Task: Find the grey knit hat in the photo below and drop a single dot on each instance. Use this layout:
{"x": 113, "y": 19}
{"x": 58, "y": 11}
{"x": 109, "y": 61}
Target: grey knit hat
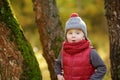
{"x": 76, "y": 22}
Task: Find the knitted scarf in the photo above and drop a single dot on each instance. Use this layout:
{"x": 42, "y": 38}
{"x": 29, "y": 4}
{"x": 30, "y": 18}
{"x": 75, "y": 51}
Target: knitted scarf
{"x": 77, "y": 47}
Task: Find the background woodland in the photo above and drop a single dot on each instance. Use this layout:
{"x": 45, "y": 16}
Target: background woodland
{"x": 41, "y": 23}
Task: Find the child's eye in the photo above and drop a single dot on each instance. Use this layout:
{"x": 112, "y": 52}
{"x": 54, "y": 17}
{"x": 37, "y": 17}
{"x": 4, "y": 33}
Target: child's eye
{"x": 77, "y": 32}
{"x": 70, "y": 33}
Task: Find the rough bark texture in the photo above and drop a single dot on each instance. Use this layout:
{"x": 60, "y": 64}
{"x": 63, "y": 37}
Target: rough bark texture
{"x": 112, "y": 8}
{"x": 17, "y": 60}
{"x": 10, "y": 57}
{"x": 51, "y": 33}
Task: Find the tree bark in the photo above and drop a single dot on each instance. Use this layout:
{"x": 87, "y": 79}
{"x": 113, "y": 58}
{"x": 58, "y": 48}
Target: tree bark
{"x": 50, "y": 30}
{"x": 112, "y": 8}
{"x": 17, "y": 59}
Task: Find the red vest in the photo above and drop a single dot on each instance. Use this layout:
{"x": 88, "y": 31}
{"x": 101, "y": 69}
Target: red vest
{"x": 77, "y": 66}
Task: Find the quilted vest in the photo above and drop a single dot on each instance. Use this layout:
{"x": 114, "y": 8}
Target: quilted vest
{"x": 77, "y": 66}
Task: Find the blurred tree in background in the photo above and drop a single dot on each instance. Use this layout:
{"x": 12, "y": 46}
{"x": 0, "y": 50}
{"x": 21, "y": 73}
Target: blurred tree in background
{"x": 91, "y": 11}
{"x": 113, "y": 19}
{"x": 17, "y": 59}
{"x": 50, "y": 30}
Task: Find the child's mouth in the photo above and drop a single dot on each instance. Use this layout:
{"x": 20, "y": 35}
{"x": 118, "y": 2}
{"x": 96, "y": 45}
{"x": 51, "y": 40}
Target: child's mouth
{"x": 73, "y": 40}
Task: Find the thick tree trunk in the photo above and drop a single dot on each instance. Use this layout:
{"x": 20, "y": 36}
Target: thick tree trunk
{"x": 113, "y": 18}
{"x": 17, "y": 60}
{"x": 11, "y": 60}
{"x": 51, "y": 33}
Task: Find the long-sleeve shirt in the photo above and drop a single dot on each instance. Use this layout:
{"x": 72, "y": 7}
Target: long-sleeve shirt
{"x": 95, "y": 60}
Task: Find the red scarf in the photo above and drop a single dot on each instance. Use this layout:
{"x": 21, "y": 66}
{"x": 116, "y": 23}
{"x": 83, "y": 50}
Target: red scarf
{"x": 77, "y": 47}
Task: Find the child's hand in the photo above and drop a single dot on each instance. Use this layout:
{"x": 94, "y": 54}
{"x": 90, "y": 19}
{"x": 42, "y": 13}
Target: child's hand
{"x": 60, "y": 77}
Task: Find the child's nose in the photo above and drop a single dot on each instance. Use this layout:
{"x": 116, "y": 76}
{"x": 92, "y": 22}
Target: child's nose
{"x": 73, "y": 35}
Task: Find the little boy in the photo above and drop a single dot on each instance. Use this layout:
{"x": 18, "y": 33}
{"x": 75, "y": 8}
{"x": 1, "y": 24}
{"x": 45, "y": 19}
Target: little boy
{"x": 77, "y": 59}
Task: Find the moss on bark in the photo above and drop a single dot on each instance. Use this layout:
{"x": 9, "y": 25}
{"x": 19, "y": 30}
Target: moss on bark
{"x": 30, "y": 67}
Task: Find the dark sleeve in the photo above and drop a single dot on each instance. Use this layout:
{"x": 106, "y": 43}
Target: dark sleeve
{"x": 98, "y": 64}
{"x": 58, "y": 68}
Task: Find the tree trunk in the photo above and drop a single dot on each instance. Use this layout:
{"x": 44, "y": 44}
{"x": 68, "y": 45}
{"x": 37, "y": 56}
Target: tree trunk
{"x": 17, "y": 60}
{"x": 50, "y": 30}
{"x": 113, "y": 18}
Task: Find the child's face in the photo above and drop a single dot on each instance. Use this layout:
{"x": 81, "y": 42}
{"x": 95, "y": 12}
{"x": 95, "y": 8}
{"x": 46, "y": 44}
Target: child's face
{"x": 74, "y": 35}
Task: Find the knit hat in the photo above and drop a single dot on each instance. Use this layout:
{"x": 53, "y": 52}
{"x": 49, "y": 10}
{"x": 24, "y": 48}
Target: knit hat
{"x": 75, "y": 22}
